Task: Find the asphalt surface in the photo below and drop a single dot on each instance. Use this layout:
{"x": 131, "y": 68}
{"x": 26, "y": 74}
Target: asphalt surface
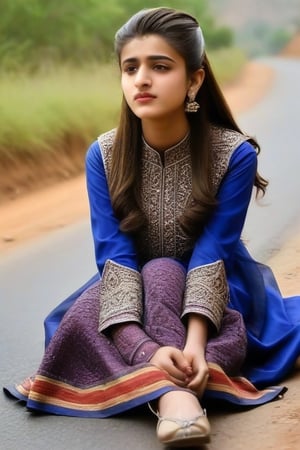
{"x": 36, "y": 276}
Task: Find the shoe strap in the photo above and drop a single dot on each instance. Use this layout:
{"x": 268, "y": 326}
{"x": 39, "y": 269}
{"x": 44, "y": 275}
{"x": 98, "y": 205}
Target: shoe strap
{"x": 182, "y": 422}
{"x": 156, "y": 413}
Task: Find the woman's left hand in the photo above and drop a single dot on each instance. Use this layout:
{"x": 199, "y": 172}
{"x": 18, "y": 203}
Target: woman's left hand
{"x": 199, "y": 378}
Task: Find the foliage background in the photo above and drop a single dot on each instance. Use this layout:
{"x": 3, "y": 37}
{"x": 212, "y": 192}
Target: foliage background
{"x": 36, "y": 33}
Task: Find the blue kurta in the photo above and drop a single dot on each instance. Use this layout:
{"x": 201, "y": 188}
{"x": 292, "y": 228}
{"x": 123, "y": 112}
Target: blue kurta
{"x": 273, "y": 323}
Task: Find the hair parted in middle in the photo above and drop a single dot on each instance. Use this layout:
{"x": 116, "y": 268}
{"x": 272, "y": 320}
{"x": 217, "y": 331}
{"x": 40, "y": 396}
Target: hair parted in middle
{"x": 182, "y": 32}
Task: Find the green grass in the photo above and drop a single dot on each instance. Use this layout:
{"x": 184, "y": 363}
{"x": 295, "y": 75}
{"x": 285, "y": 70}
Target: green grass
{"x": 37, "y": 112}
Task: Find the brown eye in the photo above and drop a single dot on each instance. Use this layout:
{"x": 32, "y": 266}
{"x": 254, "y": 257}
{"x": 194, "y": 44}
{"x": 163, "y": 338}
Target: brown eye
{"x": 130, "y": 69}
{"x": 161, "y": 67}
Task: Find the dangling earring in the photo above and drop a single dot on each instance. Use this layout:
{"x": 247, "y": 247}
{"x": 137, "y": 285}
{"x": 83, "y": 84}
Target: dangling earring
{"x": 190, "y": 105}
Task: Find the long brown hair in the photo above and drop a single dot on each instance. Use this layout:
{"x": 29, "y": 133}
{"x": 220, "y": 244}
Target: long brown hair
{"x": 183, "y": 33}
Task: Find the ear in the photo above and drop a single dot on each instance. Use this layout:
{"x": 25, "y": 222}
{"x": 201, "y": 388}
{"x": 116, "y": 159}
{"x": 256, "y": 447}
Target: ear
{"x": 195, "y": 82}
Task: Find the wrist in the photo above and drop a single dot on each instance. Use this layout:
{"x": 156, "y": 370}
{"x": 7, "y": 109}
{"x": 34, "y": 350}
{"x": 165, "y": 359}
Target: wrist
{"x": 197, "y": 331}
{"x": 192, "y": 348}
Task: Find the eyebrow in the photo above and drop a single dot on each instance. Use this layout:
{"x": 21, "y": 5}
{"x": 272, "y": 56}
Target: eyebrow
{"x": 150, "y": 58}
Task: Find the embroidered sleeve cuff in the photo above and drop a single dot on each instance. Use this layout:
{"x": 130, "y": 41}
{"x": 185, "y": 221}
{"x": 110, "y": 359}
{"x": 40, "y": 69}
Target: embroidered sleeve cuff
{"x": 120, "y": 295}
{"x": 207, "y": 292}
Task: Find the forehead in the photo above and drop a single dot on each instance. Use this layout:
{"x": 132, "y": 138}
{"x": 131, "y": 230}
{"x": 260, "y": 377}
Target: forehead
{"x": 142, "y": 47}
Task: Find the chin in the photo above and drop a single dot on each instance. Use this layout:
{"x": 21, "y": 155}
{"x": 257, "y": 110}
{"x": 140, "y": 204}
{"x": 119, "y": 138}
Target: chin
{"x": 148, "y": 115}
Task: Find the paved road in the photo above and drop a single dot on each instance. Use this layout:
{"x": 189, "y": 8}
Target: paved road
{"x": 275, "y": 122}
{"x": 35, "y": 277}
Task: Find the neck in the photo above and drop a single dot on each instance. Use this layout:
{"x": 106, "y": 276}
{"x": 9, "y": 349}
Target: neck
{"x": 161, "y": 135}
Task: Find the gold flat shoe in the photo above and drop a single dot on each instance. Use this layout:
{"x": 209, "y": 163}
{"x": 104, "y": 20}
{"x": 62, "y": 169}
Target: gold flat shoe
{"x": 183, "y": 433}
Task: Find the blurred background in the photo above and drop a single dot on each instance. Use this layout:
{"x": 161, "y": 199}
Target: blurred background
{"x": 59, "y": 89}
{"x": 59, "y": 84}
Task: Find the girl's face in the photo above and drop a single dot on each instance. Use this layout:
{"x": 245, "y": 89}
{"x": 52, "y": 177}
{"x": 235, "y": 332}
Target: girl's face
{"x": 153, "y": 78}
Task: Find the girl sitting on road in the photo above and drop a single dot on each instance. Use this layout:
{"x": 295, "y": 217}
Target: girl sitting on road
{"x": 178, "y": 308}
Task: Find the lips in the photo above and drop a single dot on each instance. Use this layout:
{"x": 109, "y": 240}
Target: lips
{"x": 143, "y": 95}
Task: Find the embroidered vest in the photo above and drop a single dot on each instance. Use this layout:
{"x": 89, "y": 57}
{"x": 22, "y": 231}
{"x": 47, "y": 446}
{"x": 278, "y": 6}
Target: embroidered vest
{"x": 166, "y": 189}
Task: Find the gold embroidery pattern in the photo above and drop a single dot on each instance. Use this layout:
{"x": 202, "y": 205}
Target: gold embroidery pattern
{"x": 207, "y": 292}
{"x": 120, "y": 295}
{"x": 223, "y": 142}
{"x": 164, "y": 197}
{"x": 105, "y": 142}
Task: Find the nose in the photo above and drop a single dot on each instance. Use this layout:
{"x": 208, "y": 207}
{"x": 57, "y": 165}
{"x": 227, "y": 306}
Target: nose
{"x": 142, "y": 77}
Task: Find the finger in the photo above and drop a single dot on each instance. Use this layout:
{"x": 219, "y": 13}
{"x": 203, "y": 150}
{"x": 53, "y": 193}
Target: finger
{"x": 199, "y": 383}
{"x": 200, "y": 377}
{"x": 181, "y": 362}
{"x": 176, "y": 373}
{"x": 177, "y": 382}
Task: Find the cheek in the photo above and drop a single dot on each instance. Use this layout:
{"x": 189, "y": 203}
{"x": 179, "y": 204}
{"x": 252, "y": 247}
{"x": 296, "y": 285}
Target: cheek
{"x": 178, "y": 91}
{"x": 178, "y": 84}
{"x": 125, "y": 89}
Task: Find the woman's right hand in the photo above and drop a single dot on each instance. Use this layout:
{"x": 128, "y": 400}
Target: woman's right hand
{"x": 173, "y": 361}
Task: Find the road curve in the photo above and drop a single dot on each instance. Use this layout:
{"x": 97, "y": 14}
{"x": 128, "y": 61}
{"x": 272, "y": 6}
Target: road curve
{"x": 275, "y": 122}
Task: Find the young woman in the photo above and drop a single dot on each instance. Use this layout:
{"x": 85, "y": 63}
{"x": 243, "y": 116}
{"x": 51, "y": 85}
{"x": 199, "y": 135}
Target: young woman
{"x": 179, "y": 306}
